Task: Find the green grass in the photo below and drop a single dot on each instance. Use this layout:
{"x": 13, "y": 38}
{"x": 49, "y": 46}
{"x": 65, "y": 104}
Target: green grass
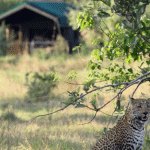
{"x": 61, "y": 131}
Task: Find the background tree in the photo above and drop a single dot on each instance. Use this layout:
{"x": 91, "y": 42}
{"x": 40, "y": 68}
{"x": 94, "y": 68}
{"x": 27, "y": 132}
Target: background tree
{"x": 5, "y": 5}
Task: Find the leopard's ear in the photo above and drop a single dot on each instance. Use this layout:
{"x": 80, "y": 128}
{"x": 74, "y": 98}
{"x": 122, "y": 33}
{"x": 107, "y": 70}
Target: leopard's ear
{"x": 132, "y": 100}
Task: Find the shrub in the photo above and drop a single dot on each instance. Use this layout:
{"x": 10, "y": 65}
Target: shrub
{"x": 41, "y": 54}
{"x": 39, "y": 86}
{"x": 61, "y": 45}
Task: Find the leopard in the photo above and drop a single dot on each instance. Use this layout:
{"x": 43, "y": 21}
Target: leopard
{"x": 129, "y": 131}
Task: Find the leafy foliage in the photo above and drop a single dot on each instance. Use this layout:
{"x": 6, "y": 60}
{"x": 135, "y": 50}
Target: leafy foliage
{"x": 72, "y": 74}
{"x": 128, "y": 42}
{"x": 41, "y": 54}
{"x": 5, "y": 5}
{"x": 87, "y": 21}
{"x": 75, "y": 98}
{"x": 39, "y": 86}
{"x": 132, "y": 10}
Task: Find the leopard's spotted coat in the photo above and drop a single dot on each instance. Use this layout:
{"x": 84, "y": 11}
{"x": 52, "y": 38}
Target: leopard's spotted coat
{"x": 128, "y": 134}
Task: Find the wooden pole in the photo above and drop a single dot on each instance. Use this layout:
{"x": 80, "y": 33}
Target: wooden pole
{"x": 7, "y": 33}
{"x": 54, "y": 31}
{"x": 20, "y": 36}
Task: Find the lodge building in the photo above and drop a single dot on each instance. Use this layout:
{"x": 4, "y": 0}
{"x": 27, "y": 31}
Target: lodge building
{"x": 37, "y": 24}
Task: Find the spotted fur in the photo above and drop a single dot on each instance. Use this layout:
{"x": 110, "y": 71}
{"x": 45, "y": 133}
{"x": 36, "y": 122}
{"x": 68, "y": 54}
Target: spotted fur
{"x": 128, "y": 134}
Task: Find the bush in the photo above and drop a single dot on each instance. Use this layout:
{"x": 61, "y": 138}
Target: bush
{"x": 39, "y": 86}
{"x": 9, "y": 116}
{"x": 61, "y": 45}
{"x": 41, "y": 54}
{"x": 8, "y": 113}
{"x": 7, "y": 4}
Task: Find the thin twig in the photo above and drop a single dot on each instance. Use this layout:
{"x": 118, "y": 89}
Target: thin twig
{"x": 144, "y": 38}
{"x": 143, "y": 80}
{"x": 51, "y": 113}
{"x": 104, "y": 32}
{"x": 108, "y": 102}
{"x": 106, "y": 26}
{"x": 73, "y": 83}
{"x": 145, "y": 28}
{"x": 142, "y": 76}
{"x": 132, "y": 83}
{"x": 95, "y": 110}
{"x": 111, "y": 118}
{"x": 91, "y": 119}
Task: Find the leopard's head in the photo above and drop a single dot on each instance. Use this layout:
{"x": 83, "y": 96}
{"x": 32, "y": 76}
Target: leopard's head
{"x": 140, "y": 109}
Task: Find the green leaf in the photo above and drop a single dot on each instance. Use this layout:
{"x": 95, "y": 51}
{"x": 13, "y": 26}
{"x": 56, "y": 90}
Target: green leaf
{"x": 94, "y": 102}
{"x": 72, "y": 74}
{"x": 86, "y": 87}
{"x": 82, "y": 98}
{"x": 99, "y": 67}
{"x": 78, "y": 90}
{"x": 106, "y": 2}
{"x": 101, "y": 57}
{"x": 118, "y": 104}
{"x": 130, "y": 70}
{"x": 103, "y": 14}
{"x": 76, "y": 48}
{"x": 114, "y": 104}
{"x": 141, "y": 9}
{"x": 117, "y": 25}
{"x": 108, "y": 90}
{"x": 134, "y": 41}
{"x": 143, "y": 63}
{"x": 105, "y": 129}
{"x": 95, "y": 52}
{"x": 80, "y": 106}
{"x": 128, "y": 59}
{"x": 148, "y": 62}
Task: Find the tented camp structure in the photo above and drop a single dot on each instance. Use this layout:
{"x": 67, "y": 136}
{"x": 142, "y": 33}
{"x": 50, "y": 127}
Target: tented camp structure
{"x": 37, "y": 24}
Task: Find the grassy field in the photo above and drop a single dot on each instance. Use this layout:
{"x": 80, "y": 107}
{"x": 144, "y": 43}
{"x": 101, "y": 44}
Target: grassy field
{"x": 60, "y": 131}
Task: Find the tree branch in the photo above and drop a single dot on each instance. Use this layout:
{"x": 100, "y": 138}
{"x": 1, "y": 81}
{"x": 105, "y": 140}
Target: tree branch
{"x": 127, "y": 85}
{"x": 143, "y": 80}
{"x": 130, "y": 84}
{"x": 144, "y": 38}
{"x": 145, "y": 28}
{"x": 95, "y": 110}
{"x": 50, "y": 113}
{"x": 91, "y": 119}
